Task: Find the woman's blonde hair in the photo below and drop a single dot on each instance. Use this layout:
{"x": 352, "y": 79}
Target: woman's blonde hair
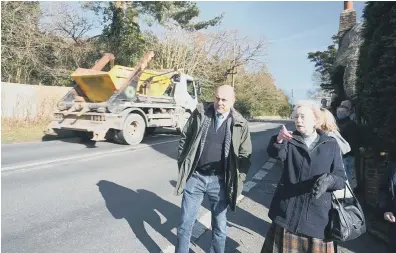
{"x": 327, "y": 121}
{"x": 314, "y": 107}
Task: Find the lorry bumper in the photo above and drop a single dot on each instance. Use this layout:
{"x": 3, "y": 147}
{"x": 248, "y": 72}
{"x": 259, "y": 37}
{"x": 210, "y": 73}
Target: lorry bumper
{"x": 99, "y": 124}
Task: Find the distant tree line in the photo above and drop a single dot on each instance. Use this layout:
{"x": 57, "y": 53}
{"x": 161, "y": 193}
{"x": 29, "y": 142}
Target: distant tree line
{"x": 45, "y": 45}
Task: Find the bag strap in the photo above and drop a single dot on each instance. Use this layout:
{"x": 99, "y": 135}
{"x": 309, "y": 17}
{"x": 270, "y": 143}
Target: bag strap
{"x": 345, "y": 189}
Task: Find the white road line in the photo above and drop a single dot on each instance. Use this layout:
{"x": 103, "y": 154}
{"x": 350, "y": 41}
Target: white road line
{"x": 248, "y": 186}
{"x": 259, "y": 175}
{"x": 107, "y": 152}
{"x": 268, "y": 166}
{"x": 76, "y": 157}
{"x": 169, "y": 249}
{"x": 271, "y": 160}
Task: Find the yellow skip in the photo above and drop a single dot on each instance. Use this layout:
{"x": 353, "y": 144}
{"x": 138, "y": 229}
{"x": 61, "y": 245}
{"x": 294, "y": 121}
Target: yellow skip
{"x": 99, "y": 86}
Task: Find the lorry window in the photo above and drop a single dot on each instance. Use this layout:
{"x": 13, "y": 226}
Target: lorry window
{"x": 191, "y": 88}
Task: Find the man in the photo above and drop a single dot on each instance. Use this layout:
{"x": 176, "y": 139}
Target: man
{"x": 214, "y": 158}
{"x": 324, "y": 103}
{"x": 350, "y": 131}
{"x": 348, "y": 104}
{"x": 335, "y": 103}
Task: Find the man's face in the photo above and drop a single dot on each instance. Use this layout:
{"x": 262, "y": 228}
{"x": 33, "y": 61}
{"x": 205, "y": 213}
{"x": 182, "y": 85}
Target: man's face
{"x": 224, "y": 99}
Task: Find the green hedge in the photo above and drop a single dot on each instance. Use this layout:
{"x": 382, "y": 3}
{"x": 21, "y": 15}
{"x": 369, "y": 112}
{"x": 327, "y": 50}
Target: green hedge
{"x": 376, "y": 83}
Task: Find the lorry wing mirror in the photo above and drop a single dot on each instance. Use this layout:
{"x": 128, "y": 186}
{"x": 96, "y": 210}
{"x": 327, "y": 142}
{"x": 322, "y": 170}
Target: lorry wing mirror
{"x": 199, "y": 89}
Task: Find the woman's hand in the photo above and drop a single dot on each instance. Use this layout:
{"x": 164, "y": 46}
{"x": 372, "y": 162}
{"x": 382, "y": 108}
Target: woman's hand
{"x": 284, "y": 135}
{"x": 388, "y": 216}
{"x": 321, "y": 185}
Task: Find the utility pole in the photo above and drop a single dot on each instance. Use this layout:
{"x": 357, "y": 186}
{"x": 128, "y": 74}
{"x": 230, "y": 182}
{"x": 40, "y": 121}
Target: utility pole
{"x": 233, "y": 66}
{"x": 292, "y": 96}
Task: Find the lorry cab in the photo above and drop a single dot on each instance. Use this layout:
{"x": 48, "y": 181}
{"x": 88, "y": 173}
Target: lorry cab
{"x": 186, "y": 92}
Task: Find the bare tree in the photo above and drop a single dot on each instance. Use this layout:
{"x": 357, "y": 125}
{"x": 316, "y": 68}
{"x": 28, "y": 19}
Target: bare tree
{"x": 64, "y": 21}
{"x": 213, "y": 57}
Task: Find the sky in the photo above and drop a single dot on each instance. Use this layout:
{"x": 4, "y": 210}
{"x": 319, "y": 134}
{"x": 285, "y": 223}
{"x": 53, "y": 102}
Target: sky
{"x": 292, "y": 29}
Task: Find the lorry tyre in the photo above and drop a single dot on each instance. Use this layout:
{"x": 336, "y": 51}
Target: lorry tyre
{"x": 133, "y": 130}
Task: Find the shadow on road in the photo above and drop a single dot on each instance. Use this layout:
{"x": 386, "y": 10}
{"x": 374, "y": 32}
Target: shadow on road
{"x": 139, "y": 207}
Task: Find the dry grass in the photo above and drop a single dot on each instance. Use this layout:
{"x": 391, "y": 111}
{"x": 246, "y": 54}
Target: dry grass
{"x": 14, "y": 131}
{"x": 28, "y": 118}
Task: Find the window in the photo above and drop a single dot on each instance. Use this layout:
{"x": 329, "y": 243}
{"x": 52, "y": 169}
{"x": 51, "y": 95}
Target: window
{"x": 191, "y": 88}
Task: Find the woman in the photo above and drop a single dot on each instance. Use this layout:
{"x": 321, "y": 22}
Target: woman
{"x": 387, "y": 203}
{"x": 328, "y": 125}
{"x": 312, "y": 169}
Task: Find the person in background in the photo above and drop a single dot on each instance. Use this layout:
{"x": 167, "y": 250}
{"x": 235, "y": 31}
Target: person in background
{"x": 312, "y": 170}
{"x": 213, "y": 159}
{"x": 348, "y": 104}
{"x": 324, "y": 103}
{"x": 387, "y": 203}
{"x": 335, "y": 103}
{"x": 350, "y": 131}
{"x": 328, "y": 124}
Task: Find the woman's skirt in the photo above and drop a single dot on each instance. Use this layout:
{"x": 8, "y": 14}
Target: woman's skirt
{"x": 279, "y": 240}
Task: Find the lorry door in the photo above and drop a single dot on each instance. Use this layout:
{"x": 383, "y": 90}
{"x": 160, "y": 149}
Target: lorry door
{"x": 186, "y": 93}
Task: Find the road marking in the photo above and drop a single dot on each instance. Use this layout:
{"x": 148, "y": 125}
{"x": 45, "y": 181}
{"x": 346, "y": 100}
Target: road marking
{"x": 248, "y": 186}
{"x": 204, "y": 222}
{"x": 259, "y": 175}
{"x": 26, "y": 166}
{"x": 268, "y": 166}
{"x": 76, "y": 157}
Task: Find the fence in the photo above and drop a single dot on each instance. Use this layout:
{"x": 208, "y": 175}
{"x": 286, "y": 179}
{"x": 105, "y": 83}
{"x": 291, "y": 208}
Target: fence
{"x": 24, "y": 101}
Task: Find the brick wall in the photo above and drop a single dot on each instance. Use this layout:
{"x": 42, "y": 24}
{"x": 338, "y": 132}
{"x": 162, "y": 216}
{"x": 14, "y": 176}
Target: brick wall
{"x": 373, "y": 170}
{"x": 347, "y": 20}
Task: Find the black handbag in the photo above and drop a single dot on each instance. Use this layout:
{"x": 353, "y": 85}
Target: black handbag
{"x": 346, "y": 221}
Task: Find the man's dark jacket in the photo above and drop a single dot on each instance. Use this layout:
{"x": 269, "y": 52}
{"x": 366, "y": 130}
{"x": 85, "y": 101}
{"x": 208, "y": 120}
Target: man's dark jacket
{"x": 350, "y": 131}
{"x": 239, "y": 155}
{"x": 293, "y": 206}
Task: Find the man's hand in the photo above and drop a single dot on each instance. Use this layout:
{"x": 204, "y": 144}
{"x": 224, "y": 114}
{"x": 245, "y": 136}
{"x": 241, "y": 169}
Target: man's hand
{"x": 388, "y": 216}
{"x": 284, "y": 135}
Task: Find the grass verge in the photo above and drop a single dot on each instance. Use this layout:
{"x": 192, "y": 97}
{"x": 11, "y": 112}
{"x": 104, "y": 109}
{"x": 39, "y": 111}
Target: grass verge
{"x": 15, "y": 131}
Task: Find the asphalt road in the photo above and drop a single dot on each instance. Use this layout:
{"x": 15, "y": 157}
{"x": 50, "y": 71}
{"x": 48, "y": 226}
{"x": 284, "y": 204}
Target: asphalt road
{"x": 66, "y": 196}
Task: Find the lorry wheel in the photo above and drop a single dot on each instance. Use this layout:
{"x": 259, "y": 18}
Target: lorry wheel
{"x": 133, "y": 129}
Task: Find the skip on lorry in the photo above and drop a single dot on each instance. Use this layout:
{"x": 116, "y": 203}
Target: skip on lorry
{"x": 125, "y": 103}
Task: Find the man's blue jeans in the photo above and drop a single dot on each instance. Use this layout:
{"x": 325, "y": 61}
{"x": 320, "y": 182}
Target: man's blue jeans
{"x": 196, "y": 188}
{"x": 349, "y": 165}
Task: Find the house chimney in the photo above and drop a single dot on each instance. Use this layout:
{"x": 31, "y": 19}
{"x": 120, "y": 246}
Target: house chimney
{"x": 348, "y": 5}
{"x": 347, "y": 19}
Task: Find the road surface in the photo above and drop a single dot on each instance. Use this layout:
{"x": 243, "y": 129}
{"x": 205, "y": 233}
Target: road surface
{"x": 66, "y": 196}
